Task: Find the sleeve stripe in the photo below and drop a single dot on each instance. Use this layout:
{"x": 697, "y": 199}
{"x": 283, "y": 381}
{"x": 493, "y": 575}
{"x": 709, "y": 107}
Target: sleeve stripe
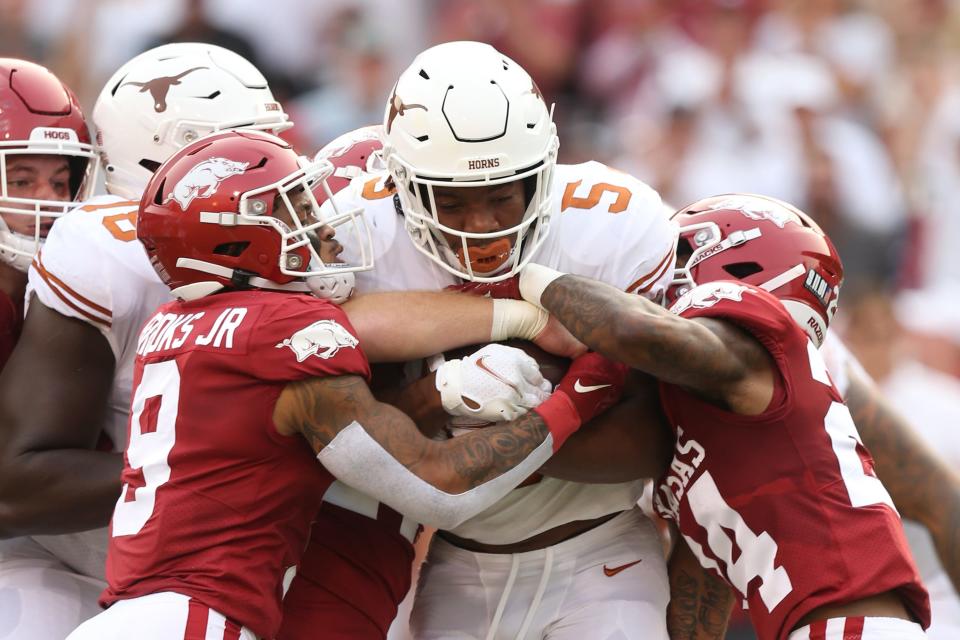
{"x": 645, "y": 282}
{"x": 47, "y": 275}
{"x": 112, "y": 205}
{"x": 655, "y": 280}
{"x": 55, "y": 285}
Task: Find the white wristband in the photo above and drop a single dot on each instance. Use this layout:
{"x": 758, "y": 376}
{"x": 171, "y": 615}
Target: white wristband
{"x": 534, "y": 279}
{"x": 516, "y": 319}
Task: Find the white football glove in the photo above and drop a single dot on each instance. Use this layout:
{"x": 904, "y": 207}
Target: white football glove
{"x": 495, "y": 384}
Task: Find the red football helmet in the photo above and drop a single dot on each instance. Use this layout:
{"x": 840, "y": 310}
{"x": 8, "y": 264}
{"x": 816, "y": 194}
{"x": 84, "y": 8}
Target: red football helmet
{"x": 39, "y": 116}
{"x": 764, "y": 242}
{"x": 351, "y": 154}
{"x": 236, "y": 209}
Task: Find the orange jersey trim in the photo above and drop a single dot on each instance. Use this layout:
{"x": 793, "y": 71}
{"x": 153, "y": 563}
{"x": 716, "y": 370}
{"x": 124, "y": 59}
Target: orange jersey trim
{"x": 112, "y": 205}
{"x": 646, "y": 282}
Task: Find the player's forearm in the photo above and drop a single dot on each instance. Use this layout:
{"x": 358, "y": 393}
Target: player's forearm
{"x": 637, "y": 332}
{"x": 400, "y": 326}
{"x": 377, "y": 450}
{"x": 34, "y": 501}
{"x": 922, "y": 485}
{"x": 435, "y": 484}
{"x": 944, "y": 528}
{"x": 700, "y": 604}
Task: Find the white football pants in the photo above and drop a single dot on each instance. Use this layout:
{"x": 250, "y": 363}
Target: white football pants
{"x": 160, "y": 616}
{"x": 40, "y": 597}
{"x": 607, "y": 583}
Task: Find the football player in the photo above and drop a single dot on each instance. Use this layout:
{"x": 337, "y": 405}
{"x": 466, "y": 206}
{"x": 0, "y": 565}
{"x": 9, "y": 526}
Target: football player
{"x": 769, "y": 469}
{"x": 93, "y": 289}
{"x": 218, "y": 495}
{"x": 471, "y": 191}
{"x": 89, "y": 293}
{"x": 48, "y": 164}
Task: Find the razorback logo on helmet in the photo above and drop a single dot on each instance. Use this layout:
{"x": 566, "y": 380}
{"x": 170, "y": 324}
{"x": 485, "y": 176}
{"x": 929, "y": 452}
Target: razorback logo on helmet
{"x": 753, "y": 208}
{"x": 159, "y": 87}
{"x": 202, "y": 180}
{"x": 706, "y": 295}
{"x": 322, "y": 339}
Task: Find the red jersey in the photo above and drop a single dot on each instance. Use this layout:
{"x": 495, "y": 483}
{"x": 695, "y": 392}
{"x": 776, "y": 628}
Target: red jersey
{"x": 784, "y": 506}
{"x": 11, "y": 321}
{"x": 353, "y": 575}
{"x": 216, "y": 504}
{"x": 355, "y": 570}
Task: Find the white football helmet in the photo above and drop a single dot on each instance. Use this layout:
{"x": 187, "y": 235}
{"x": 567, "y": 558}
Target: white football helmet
{"x": 465, "y": 115}
{"x": 168, "y": 97}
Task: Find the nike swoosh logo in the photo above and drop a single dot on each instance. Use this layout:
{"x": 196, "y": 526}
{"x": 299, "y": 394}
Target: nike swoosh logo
{"x": 579, "y": 388}
{"x": 615, "y": 570}
{"x": 483, "y": 367}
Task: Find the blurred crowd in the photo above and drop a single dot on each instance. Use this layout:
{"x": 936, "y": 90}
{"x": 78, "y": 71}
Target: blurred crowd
{"x": 849, "y": 109}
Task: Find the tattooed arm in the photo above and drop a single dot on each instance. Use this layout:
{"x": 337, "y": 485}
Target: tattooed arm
{"x": 712, "y": 357}
{"x": 922, "y": 486}
{"x": 378, "y": 450}
{"x": 700, "y": 603}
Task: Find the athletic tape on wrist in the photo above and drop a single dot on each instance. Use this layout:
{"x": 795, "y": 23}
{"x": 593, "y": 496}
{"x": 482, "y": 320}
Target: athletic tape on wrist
{"x": 516, "y": 319}
{"x": 534, "y": 279}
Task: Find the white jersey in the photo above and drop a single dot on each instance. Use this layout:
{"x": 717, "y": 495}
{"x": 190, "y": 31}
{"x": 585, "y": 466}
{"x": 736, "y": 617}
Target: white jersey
{"x": 596, "y": 231}
{"x": 93, "y": 268}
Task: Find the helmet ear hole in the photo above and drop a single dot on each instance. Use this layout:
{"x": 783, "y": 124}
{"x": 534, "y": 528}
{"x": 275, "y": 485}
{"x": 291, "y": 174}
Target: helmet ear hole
{"x": 232, "y": 249}
{"x": 741, "y": 270}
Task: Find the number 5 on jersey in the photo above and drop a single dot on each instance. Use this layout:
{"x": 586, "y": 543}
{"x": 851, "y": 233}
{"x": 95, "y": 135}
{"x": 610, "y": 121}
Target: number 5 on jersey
{"x": 153, "y": 417}
{"x": 592, "y": 198}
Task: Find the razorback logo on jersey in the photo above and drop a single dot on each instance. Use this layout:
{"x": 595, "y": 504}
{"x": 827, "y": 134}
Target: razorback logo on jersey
{"x": 706, "y": 295}
{"x": 754, "y": 209}
{"x": 322, "y": 339}
{"x": 202, "y": 180}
